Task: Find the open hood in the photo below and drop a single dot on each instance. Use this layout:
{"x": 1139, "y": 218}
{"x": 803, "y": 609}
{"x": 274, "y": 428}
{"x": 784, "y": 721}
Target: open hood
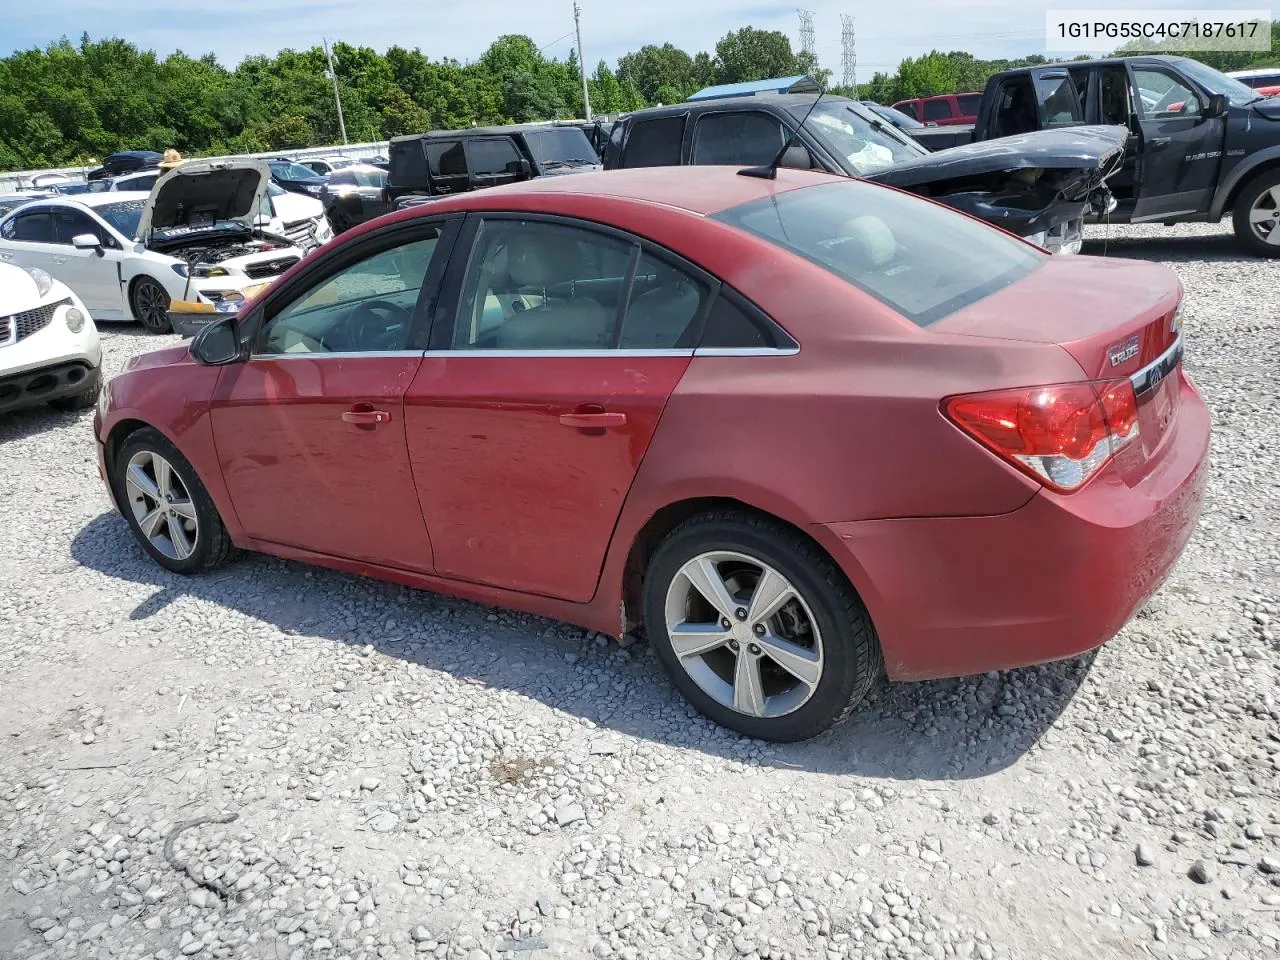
{"x": 201, "y": 193}
{"x": 1068, "y": 148}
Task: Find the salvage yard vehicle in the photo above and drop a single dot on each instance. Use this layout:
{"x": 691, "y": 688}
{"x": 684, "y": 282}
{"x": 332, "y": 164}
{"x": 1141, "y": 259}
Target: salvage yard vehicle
{"x": 1041, "y": 188}
{"x": 193, "y": 237}
{"x": 1201, "y": 145}
{"x": 804, "y": 430}
{"x": 454, "y": 161}
{"x": 355, "y": 194}
{"x": 128, "y": 161}
{"x": 942, "y": 110}
{"x": 49, "y": 350}
{"x": 295, "y": 177}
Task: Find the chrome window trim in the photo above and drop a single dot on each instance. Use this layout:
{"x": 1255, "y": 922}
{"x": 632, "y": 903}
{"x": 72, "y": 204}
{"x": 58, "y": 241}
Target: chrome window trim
{"x": 562, "y": 354}
{"x": 1149, "y": 377}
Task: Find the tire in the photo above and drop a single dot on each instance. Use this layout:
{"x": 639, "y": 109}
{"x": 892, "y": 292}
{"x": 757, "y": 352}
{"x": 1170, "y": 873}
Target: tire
{"x": 149, "y": 302}
{"x": 841, "y": 657}
{"x": 1263, "y": 193}
{"x": 210, "y": 544}
{"x": 86, "y": 399}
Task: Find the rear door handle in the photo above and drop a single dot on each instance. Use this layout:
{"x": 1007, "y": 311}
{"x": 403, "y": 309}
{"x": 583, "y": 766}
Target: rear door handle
{"x": 589, "y": 421}
{"x": 363, "y": 413}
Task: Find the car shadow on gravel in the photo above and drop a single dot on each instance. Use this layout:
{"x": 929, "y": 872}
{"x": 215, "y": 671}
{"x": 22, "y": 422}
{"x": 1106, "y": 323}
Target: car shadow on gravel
{"x": 1210, "y": 248}
{"x": 30, "y": 421}
{"x": 942, "y": 730}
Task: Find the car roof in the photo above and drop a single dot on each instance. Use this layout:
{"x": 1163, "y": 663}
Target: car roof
{"x": 502, "y": 131}
{"x": 788, "y": 102}
{"x": 1100, "y": 62}
{"x": 700, "y": 190}
{"x": 102, "y": 198}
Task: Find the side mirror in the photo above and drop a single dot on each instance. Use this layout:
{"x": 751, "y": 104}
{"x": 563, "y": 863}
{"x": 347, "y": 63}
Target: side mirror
{"x": 87, "y": 241}
{"x": 217, "y": 344}
{"x": 796, "y": 157}
{"x": 520, "y": 168}
{"x": 1217, "y": 106}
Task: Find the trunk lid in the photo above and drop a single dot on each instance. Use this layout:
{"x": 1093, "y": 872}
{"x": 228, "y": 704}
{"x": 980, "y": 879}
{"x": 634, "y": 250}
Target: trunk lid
{"x": 1118, "y": 319}
{"x": 201, "y": 193}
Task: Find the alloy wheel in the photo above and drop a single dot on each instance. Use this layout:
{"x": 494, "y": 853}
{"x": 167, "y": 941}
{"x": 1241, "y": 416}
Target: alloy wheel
{"x": 162, "y": 505}
{"x": 1264, "y": 216}
{"x": 744, "y": 634}
{"x": 152, "y": 305}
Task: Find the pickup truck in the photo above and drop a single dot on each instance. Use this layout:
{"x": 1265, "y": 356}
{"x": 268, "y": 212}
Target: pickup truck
{"x": 942, "y": 110}
{"x": 1201, "y": 145}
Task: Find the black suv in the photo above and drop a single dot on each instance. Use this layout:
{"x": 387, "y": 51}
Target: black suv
{"x": 129, "y": 161}
{"x": 441, "y": 162}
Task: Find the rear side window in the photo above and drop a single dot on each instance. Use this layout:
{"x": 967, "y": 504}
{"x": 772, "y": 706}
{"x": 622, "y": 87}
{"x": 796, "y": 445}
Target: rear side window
{"x": 937, "y": 110}
{"x": 923, "y": 260}
{"x": 446, "y": 158}
{"x": 34, "y": 227}
{"x": 408, "y": 164}
{"x": 908, "y": 108}
{"x": 749, "y": 136}
{"x": 343, "y": 178}
{"x": 654, "y": 143}
{"x": 736, "y": 323}
{"x": 969, "y": 104}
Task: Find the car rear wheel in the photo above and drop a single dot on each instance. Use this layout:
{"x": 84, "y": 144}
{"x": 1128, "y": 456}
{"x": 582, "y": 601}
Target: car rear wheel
{"x": 150, "y": 304}
{"x": 166, "y": 505}
{"x": 758, "y": 628}
{"x": 86, "y": 399}
{"x": 1257, "y": 215}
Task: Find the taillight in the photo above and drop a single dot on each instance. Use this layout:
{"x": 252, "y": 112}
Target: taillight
{"x": 1061, "y": 434}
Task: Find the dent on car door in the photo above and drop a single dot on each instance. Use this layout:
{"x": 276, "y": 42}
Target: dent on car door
{"x": 553, "y": 355}
{"x": 310, "y": 430}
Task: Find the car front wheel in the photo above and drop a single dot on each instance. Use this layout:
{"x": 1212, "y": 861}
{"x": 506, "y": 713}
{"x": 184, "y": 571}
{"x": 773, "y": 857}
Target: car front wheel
{"x": 166, "y": 505}
{"x": 150, "y": 304}
{"x": 1257, "y": 215}
{"x": 758, "y": 627}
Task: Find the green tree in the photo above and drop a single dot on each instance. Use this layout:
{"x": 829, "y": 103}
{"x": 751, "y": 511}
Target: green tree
{"x": 652, "y": 67}
{"x": 751, "y": 54}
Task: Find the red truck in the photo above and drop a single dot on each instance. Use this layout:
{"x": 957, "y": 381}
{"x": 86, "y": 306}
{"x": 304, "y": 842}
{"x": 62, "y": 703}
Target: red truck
{"x": 944, "y": 110}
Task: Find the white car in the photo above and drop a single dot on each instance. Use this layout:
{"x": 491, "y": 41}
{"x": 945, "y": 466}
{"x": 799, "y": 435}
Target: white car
{"x": 193, "y": 237}
{"x": 294, "y": 216}
{"x": 49, "y": 350}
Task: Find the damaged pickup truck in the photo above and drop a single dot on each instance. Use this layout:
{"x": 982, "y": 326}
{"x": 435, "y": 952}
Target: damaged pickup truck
{"x": 1039, "y": 186}
{"x": 193, "y": 238}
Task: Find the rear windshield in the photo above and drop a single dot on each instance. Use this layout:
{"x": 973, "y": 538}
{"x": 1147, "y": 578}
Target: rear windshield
{"x": 922, "y": 259}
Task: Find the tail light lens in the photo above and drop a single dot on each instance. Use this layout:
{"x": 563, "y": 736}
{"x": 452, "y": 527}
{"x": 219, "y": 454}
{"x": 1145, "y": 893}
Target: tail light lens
{"x": 1061, "y": 434}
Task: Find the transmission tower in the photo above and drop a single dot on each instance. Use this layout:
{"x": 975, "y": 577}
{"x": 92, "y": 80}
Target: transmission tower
{"x": 849, "y": 55}
{"x": 807, "y": 42}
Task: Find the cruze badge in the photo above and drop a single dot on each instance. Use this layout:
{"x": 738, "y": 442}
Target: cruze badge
{"x": 1124, "y": 350}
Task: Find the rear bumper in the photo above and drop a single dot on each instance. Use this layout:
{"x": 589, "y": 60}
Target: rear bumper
{"x": 1055, "y": 578}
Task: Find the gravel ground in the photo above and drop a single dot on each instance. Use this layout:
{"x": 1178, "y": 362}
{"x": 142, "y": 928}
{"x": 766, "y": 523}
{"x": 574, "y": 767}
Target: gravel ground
{"x": 412, "y": 776}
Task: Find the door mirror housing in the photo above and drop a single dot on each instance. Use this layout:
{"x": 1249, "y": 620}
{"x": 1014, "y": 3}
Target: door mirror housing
{"x": 796, "y": 157}
{"x": 217, "y": 344}
{"x": 1217, "y": 106}
{"x": 87, "y": 241}
{"x": 520, "y": 168}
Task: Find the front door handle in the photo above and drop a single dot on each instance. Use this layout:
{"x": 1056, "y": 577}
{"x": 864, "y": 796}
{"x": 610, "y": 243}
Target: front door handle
{"x": 593, "y": 420}
{"x": 1160, "y": 141}
{"x": 364, "y": 414}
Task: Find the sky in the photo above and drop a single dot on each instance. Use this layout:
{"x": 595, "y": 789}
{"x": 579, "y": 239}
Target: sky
{"x": 233, "y": 29}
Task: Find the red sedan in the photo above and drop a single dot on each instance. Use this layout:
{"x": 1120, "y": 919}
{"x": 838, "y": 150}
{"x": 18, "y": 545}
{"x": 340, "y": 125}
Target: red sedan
{"x": 804, "y": 431}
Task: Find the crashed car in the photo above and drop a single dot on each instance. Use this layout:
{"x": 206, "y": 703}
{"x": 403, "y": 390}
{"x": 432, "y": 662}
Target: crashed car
{"x": 192, "y": 238}
{"x": 1039, "y": 186}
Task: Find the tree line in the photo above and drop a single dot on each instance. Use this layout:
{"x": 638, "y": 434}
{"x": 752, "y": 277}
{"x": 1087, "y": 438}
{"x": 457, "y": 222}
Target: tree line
{"x": 70, "y": 104}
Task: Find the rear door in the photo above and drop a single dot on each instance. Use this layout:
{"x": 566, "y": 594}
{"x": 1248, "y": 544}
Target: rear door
{"x": 1180, "y": 149}
{"x": 553, "y": 355}
{"x": 447, "y": 166}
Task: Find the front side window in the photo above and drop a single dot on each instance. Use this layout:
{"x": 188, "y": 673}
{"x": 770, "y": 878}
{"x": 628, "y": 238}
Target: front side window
{"x": 969, "y": 103}
{"x": 1164, "y": 97}
{"x": 923, "y": 260}
{"x": 532, "y": 285}
{"x": 490, "y": 157}
{"x": 654, "y": 143}
{"x": 68, "y": 224}
{"x": 744, "y": 137}
{"x": 909, "y": 108}
{"x": 1059, "y": 101}
{"x": 366, "y": 307}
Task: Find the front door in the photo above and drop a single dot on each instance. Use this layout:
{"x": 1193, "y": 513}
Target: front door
{"x": 531, "y": 414}
{"x": 1180, "y": 149}
{"x": 311, "y": 431}
{"x": 94, "y": 275}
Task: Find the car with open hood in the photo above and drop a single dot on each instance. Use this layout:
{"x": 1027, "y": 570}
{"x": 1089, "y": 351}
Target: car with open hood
{"x": 194, "y": 238}
{"x": 1040, "y": 188}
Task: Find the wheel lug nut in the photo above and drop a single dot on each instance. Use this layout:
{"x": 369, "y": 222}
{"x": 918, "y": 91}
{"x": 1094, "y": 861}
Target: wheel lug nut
{"x": 754, "y": 650}
{"x": 759, "y": 629}
{"x": 741, "y": 613}
{"x": 733, "y": 645}
{"x": 724, "y": 622}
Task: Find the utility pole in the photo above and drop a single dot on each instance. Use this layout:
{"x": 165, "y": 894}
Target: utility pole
{"x": 337, "y": 98}
{"x": 849, "y": 55}
{"x": 582, "y": 62}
